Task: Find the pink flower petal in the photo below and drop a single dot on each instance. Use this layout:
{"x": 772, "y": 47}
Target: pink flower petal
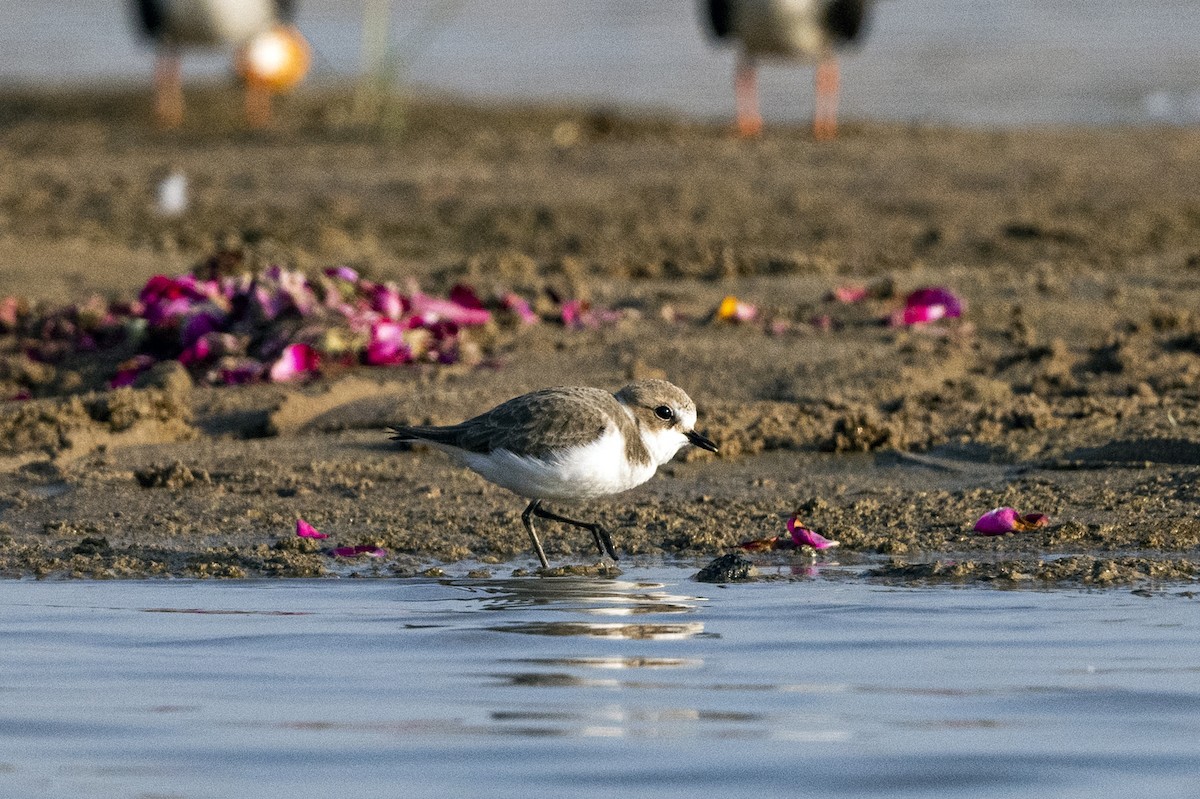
{"x": 295, "y": 362}
{"x": 520, "y": 307}
{"x": 10, "y": 311}
{"x": 433, "y": 310}
{"x": 802, "y": 536}
{"x": 580, "y": 315}
{"x": 387, "y": 346}
{"x": 306, "y": 530}
{"x": 354, "y": 552}
{"x": 849, "y": 294}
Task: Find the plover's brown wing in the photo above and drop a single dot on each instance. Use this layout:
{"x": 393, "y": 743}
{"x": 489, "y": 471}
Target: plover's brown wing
{"x": 532, "y": 424}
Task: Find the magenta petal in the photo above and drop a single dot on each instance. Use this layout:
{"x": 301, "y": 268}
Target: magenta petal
{"x": 929, "y": 305}
{"x": 465, "y": 296}
{"x": 997, "y": 522}
{"x": 354, "y": 552}
{"x": 387, "y": 346}
{"x": 306, "y": 530}
{"x": 572, "y": 313}
{"x": 296, "y": 361}
{"x": 803, "y": 537}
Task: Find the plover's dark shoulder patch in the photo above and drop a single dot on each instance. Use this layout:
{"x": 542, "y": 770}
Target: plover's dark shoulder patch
{"x": 542, "y": 422}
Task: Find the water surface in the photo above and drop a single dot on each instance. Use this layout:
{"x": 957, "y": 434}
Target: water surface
{"x": 651, "y": 685}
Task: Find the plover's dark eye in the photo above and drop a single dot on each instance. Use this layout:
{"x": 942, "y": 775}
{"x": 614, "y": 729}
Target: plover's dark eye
{"x": 664, "y": 412}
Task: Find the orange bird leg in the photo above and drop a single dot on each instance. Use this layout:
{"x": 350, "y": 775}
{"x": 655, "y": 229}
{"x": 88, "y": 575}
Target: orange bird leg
{"x": 168, "y": 89}
{"x": 826, "y": 105}
{"x": 745, "y": 91}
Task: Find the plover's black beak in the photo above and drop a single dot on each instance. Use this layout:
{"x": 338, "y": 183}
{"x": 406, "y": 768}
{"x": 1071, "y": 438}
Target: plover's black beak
{"x": 700, "y": 441}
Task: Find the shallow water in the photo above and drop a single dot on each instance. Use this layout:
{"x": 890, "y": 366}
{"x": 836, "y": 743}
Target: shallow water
{"x": 651, "y": 685}
{"x": 962, "y": 61}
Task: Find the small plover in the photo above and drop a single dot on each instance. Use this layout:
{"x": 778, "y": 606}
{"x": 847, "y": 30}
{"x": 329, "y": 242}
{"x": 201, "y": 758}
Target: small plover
{"x": 571, "y": 443}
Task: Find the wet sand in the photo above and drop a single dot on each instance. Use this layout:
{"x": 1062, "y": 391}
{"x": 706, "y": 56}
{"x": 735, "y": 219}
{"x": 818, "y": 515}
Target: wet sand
{"x": 1069, "y": 386}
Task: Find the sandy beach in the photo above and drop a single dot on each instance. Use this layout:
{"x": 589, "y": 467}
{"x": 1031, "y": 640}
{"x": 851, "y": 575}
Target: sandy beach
{"x": 1070, "y": 385}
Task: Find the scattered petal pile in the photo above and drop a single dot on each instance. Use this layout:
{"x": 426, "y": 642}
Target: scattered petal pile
{"x": 1007, "y": 520}
{"x": 279, "y": 325}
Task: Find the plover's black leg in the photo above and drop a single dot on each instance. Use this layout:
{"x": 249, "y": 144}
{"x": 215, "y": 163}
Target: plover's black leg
{"x": 599, "y": 534}
{"x": 537, "y": 545}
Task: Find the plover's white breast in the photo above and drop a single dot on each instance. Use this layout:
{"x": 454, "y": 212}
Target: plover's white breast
{"x": 586, "y": 471}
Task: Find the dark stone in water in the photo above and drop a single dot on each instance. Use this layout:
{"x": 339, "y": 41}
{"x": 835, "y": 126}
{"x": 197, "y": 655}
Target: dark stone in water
{"x": 92, "y": 546}
{"x": 731, "y": 568}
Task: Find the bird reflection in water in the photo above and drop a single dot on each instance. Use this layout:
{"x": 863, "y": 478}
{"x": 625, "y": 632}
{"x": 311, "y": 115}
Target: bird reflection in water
{"x": 592, "y": 598}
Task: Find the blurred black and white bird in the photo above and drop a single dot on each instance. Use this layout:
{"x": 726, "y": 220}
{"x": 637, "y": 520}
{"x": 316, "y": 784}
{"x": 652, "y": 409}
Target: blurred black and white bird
{"x": 802, "y": 30}
{"x": 271, "y": 53}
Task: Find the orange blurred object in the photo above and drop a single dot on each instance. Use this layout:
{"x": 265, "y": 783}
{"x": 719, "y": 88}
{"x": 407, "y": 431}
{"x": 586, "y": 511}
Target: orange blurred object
{"x": 276, "y": 59}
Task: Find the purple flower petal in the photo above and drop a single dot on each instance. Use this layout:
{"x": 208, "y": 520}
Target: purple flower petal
{"x": 465, "y": 296}
{"x": 239, "y": 372}
{"x": 306, "y": 530}
{"x": 342, "y": 273}
{"x": 200, "y": 323}
{"x": 295, "y": 362}
{"x": 803, "y": 537}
